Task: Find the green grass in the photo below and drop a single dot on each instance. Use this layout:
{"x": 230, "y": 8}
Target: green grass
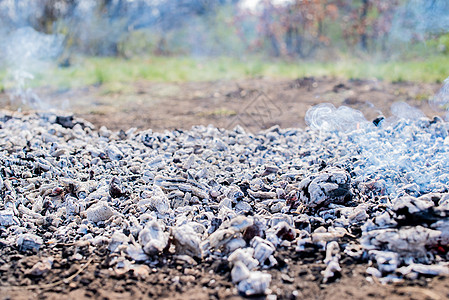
{"x": 115, "y": 73}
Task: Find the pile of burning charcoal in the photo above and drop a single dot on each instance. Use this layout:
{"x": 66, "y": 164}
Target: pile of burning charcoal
{"x": 208, "y": 193}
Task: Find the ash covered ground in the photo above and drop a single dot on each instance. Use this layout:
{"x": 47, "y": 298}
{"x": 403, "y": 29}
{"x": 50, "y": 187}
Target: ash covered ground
{"x": 333, "y": 210}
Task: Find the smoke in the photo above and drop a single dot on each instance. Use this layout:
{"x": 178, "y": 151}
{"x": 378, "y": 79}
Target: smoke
{"x": 441, "y": 100}
{"x": 26, "y": 53}
{"x": 118, "y": 27}
{"x": 417, "y": 19}
{"x": 404, "y": 111}
{"x": 403, "y": 155}
{"x": 125, "y": 27}
{"x": 325, "y": 117}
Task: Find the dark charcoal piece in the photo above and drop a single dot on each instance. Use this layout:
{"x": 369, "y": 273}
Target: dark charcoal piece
{"x": 65, "y": 121}
{"x": 302, "y": 223}
{"x": 115, "y": 188}
{"x": 436, "y": 119}
{"x": 215, "y": 223}
{"x": 261, "y": 148}
{"x": 148, "y": 140}
{"x": 252, "y": 231}
{"x": 221, "y": 266}
{"x": 427, "y": 216}
{"x": 411, "y": 211}
{"x": 378, "y": 121}
{"x": 286, "y": 233}
{"x": 5, "y": 118}
{"x": 282, "y": 261}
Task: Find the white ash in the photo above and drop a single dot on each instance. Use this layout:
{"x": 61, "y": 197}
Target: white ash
{"x": 206, "y": 192}
{"x": 330, "y": 186}
{"x": 239, "y": 272}
{"x": 100, "y": 211}
{"x": 153, "y": 238}
{"x": 262, "y": 249}
{"x": 187, "y": 241}
{"x": 257, "y": 283}
{"x": 244, "y": 256}
{"x": 332, "y": 261}
{"x": 117, "y": 239}
{"x": 28, "y": 241}
{"x": 7, "y": 218}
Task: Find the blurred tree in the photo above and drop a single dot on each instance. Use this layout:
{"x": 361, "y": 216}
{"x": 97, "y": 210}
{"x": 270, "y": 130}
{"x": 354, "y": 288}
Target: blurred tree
{"x": 52, "y": 10}
{"x": 296, "y": 28}
{"x": 96, "y": 26}
{"x": 368, "y": 22}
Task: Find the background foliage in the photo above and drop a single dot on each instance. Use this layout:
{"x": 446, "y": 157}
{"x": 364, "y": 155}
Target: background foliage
{"x": 323, "y": 29}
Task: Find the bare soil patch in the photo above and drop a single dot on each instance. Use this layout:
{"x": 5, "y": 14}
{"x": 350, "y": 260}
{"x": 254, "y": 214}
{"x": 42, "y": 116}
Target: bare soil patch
{"x": 253, "y": 103}
{"x": 298, "y": 276}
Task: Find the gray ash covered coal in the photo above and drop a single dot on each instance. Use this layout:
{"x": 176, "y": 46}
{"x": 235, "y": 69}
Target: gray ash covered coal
{"x": 377, "y": 192}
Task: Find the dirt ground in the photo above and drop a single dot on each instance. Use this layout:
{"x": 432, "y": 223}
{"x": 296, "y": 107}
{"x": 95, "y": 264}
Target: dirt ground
{"x": 255, "y": 104}
{"x": 297, "y": 276}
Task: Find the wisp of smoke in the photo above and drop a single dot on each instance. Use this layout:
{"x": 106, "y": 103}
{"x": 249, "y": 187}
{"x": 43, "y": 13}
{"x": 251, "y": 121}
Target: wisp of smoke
{"x": 441, "y": 99}
{"x": 325, "y": 117}
{"x": 415, "y": 19}
{"x": 404, "y": 155}
{"x": 26, "y": 53}
{"x": 402, "y": 110}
